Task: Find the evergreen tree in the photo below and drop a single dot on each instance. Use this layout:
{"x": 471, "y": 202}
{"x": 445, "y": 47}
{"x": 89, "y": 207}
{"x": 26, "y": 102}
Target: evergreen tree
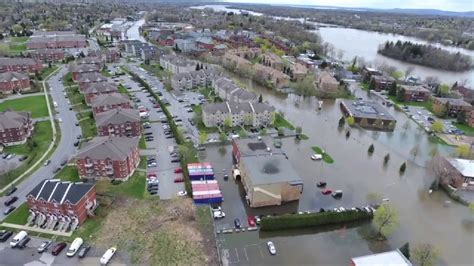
{"x": 260, "y": 98}
{"x": 403, "y": 167}
{"x": 372, "y": 84}
{"x": 371, "y": 149}
{"x": 393, "y": 89}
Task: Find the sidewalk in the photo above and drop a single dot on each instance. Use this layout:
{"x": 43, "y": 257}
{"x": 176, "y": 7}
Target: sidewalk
{"x": 35, "y": 229}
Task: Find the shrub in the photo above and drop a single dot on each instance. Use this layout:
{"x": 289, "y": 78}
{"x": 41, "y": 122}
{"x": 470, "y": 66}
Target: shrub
{"x": 290, "y": 221}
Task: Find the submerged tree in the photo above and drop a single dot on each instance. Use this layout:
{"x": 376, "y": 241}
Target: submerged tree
{"x": 371, "y": 149}
{"x": 403, "y": 167}
{"x": 385, "y": 220}
{"x": 425, "y": 255}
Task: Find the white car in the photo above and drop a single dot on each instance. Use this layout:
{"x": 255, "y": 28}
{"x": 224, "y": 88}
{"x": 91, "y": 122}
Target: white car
{"x": 215, "y": 209}
{"x": 218, "y": 214}
{"x": 182, "y": 193}
{"x": 257, "y": 219}
{"x": 108, "y": 255}
{"x": 271, "y": 248}
{"x": 316, "y": 156}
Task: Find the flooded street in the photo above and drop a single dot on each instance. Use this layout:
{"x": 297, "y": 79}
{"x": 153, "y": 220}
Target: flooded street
{"x": 423, "y": 217}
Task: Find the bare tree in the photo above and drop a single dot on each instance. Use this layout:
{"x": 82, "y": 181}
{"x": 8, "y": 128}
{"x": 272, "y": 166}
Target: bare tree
{"x": 409, "y": 71}
{"x": 340, "y": 54}
{"x": 442, "y": 171}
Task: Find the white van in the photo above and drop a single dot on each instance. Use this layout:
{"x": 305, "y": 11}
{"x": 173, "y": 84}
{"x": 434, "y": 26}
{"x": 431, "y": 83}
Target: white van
{"x": 76, "y": 244}
{"x": 20, "y": 236}
{"x": 108, "y": 255}
{"x": 55, "y": 104}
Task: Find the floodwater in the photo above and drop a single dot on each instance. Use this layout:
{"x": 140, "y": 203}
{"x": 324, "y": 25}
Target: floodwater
{"x": 424, "y": 218}
{"x": 365, "y": 44}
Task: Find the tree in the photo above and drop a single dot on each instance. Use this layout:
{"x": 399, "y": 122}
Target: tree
{"x": 298, "y": 131}
{"x": 281, "y": 132}
{"x": 461, "y": 118}
{"x": 371, "y": 149}
{"x": 444, "y": 90}
{"x": 227, "y": 123}
{"x": 403, "y": 167}
{"x": 17, "y": 28}
{"x": 342, "y": 121}
{"x": 408, "y": 71}
{"x": 386, "y": 158}
{"x": 463, "y": 150}
{"x": 263, "y": 132}
{"x": 434, "y": 151}
{"x": 425, "y": 255}
{"x": 260, "y": 98}
{"x": 203, "y": 137}
{"x": 243, "y": 133}
{"x": 197, "y": 67}
{"x": 372, "y": 84}
{"x": 385, "y": 220}
{"x": 437, "y": 126}
{"x": 350, "y": 120}
{"x": 222, "y": 137}
{"x": 414, "y": 151}
{"x": 393, "y": 89}
{"x": 401, "y": 94}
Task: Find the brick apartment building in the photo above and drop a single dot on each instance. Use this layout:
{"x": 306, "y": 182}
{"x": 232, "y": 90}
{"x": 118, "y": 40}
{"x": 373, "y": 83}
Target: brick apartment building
{"x": 382, "y": 83}
{"x": 119, "y": 122}
{"x": 76, "y": 201}
{"x": 416, "y": 93}
{"x": 56, "y": 39}
{"x": 108, "y": 56}
{"x": 106, "y": 102}
{"x": 47, "y": 55}
{"x": 20, "y": 65}
{"x": 108, "y": 157}
{"x": 87, "y": 79}
{"x": 15, "y": 127}
{"x": 78, "y": 70}
{"x": 454, "y": 105}
{"x": 96, "y": 89}
{"x": 367, "y": 73}
{"x": 11, "y": 82}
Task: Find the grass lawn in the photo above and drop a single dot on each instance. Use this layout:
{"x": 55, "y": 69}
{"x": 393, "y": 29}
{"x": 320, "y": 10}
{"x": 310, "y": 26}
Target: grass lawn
{"x": 46, "y": 71}
{"x": 280, "y": 121}
{"x": 16, "y": 46}
{"x": 35, "y": 104}
{"x": 88, "y": 128}
{"x": 142, "y": 164}
{"x": 469, "y": 131}
{"x": 67, "y": 80}
{"x": 142, "y": 143}
{"x": 19, "y": 215}
{"x": 133, "y": 188}
{"x": 427, "y": 105}
{"x": 68, "y": 173}
{"x": 326, "y": 157}
{"x": 106, "y": 73}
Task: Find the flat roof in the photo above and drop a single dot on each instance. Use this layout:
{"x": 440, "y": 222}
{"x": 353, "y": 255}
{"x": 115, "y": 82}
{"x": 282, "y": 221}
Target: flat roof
{"x": 465, "y": 167}
{"x": 394, "y": 257}
{"x": 367, "y": 109}
{"x": 270, "y": 169}
{"x": 250, "y": 147}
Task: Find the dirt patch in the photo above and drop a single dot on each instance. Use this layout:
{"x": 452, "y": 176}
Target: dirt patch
{"x": 157, "y": 232}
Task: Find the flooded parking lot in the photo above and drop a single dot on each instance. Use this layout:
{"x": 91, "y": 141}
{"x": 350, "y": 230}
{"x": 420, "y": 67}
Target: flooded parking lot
{"x": 424, "y": 217}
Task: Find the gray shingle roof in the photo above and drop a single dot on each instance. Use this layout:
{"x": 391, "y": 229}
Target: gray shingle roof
{"x": 102, "y": 87}
{"x": 12, "y": 119}
{"x": 110, "y": 99}
{"x": 117, "y": 116}
{"x": 111, "y": 147}
{"x": 6, "y": 61}
{"x": 92, "y": 77}
{"x": 12, "y": 76}
{"x": 84, "y": 68}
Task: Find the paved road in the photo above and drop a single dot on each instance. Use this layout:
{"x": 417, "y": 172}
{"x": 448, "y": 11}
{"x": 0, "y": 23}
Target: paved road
{"x": 65, "y": 148}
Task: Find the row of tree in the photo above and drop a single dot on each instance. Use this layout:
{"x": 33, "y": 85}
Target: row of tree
{"x": 426, "y": 55}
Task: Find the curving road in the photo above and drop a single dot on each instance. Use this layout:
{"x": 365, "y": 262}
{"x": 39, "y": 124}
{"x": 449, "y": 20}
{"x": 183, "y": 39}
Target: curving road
{"x": 65, "y": 148}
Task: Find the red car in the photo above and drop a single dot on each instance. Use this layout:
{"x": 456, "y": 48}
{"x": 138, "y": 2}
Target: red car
{"x": 156, "y": 105}
{"x": 178, "y": 180}
{"x": 58, "y": 248}
{"x": 251, "y": 221}
{"x": 152, "y": 175}
{"x": 326, "y": 191}
{"x": 178, "y": 170}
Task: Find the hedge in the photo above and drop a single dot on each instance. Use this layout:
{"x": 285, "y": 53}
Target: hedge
{"x": 177, "y": 135}
{"x": 291, "y": 221}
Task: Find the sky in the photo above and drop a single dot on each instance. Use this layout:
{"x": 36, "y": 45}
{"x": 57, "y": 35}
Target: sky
{"x": 448, "y": 5}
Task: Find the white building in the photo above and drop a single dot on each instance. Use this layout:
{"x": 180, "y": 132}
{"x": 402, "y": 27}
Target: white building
{"x": 239, "y": 114}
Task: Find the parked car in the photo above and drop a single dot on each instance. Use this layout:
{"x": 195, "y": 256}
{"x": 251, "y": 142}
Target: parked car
{"x": 76, "y": 143}
{"x": 22, "y": 158}
{"x": 9, "y": 210}
{"x": 337, "y": 194}
{"x": 47, "y": 162}
{"x": 176, "y": 160}
{"x": 251, "y": 221}
{"x": 215, "y": 209}
{"x": 316, "y": 157}
{"x": 108, "y": 255}
{"x": 74, "y": 247}
{"x": 148, "y": 133}
{"x": 63, "y": 162}
{"x": 17, "y": 238}
{"x": 326, "y": 191}
{"x": 178, "y": 170}
{"x": 10, "y": 201}
{"x": 321, "y": 184}
{"x": 23, "y": 242}
{"x": 44, "y": 246}
{"x": 179, "y": 180}
{"x": 5, "y": 235}
{"x": 83, "y": 251}
{"x": 237, "y": 223}
{"x": 58, "y": 248}
{"x": 56, "y": 170}
{"x": 11, "y": 191}
{"x": 218, "y": 214}
{"x": 182, "y": 193}
{"x": 271, "y": 248}
{"x": 5, "y": 155}
{"x": 257, "y": 219}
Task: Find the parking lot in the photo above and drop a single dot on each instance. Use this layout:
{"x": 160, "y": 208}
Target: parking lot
{"x": 30, "y": 255}
{"x": 9, "y": 163}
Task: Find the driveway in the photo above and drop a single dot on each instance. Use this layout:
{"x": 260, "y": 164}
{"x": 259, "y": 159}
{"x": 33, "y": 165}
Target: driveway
{"x": 65, "y": 148}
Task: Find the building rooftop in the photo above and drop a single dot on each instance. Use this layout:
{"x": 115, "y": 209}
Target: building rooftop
{"x": 390, "y": 258}
{"x": 117, "y": 116}
{"x": 101, "y": 87}
{"x": 417, "y": 88}
{"x": 110, "y": 99}
{"x": 270, "y": 168}
{"x": 12, "y": 76}
{"x": 465, "y": 167}
{"x": 111, "y": 147}
{"x": 453, "y": 101}
{"x": 12, "y": 119}
{"x": 7, "y": 61}
{"x": 92, "y": 77}
{"x": 51, "y": 190}
{"x": 367, "y": 109}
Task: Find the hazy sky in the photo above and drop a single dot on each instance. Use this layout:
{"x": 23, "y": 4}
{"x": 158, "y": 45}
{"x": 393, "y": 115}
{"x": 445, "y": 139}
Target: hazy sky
{"x": 451, "y": 5}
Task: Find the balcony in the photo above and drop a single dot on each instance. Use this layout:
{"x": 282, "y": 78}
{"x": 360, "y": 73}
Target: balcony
{"x": 88, "y": 164}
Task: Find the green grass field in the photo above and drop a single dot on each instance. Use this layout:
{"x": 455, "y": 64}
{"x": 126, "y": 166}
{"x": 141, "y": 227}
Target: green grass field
{"x": 14, "y": 46}
{"x": 134, "y": 187}
{"x": 326, "y": 157}
{"x": 469, "y": 131}
{"x": 88, "y": 128}
{"x": 280, "y": 121}
{"x": 46, "y": 71}
{"x": 68, "y": 173}
{"x": 18, "y": 216}
{"x": 35, "y": 104}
